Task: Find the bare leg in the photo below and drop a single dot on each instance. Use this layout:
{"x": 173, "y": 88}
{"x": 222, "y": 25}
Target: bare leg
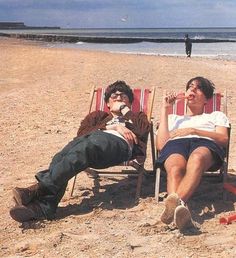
{"x": 175, "y": 167}
{"x": 183, "y": 177}
{"x": 199, "y": 161}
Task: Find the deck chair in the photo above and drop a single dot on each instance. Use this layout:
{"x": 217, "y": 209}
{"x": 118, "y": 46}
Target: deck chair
{"x": 217, "y": 103}
{"x": 143, "y": 101}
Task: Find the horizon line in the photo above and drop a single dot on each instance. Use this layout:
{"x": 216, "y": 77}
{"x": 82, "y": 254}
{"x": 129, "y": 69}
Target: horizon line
{"x": 211, "y": 27}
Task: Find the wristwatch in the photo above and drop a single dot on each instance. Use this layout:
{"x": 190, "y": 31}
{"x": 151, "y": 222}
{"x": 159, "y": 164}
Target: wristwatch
{"x": 122, "y": 107}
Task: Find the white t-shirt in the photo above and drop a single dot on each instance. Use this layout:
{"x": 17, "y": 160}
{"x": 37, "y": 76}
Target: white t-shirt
{"x": 206, "y": 122}
{"x": 118, "y": 120}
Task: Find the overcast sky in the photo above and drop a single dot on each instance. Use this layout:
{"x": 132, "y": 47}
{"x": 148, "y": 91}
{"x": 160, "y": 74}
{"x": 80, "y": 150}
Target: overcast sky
{"x": 120, "y": 13}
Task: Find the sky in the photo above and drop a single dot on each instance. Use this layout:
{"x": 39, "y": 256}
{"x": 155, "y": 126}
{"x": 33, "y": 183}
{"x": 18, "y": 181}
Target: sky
{"x": 120, "y": 13}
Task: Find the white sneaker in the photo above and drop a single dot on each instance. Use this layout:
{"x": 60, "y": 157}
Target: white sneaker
{"x": 182, "y": 218}
{"x": 171, "y": 202}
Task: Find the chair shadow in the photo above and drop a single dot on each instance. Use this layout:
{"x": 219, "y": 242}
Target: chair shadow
{"x": 107, "y": 194}
{"x": 207, "y": 202}
{"x": 116, "y": 193}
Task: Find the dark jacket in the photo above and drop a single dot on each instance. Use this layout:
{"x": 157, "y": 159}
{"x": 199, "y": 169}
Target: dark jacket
{"x": 136, "y": 122}
{"x": 188, "y": 43}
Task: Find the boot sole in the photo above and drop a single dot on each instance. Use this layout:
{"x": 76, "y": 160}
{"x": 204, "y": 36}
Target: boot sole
{"x": 18, "y": 198}
{"x": 22, "y": 214}
{"x": 171, "y": 202}
{"x": 183, "y": 219}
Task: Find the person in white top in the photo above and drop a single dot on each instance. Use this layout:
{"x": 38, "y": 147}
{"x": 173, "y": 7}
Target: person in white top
{"x": 188, "y": 146}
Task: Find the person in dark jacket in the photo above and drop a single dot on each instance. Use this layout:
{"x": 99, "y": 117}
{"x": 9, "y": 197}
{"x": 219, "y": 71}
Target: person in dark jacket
{"x": 103, "y": 140}
{"x": 188, "y": 45}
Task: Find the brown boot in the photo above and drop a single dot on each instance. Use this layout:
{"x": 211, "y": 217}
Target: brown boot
{"x": 23, "y": 196}
{"x": 23, "y": 213}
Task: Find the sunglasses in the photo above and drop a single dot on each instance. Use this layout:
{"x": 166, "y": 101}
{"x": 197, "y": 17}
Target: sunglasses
{"x": 115, "y": 95}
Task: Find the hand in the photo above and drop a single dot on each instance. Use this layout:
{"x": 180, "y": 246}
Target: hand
{"x": 182, "y": 132}
{"x": 168, "y": 99}
{"x": 116, "y": 106}
{"x": 127, "y": 134}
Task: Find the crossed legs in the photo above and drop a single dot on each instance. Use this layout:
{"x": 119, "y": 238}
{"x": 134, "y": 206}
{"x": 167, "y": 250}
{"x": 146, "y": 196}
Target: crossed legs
{"x": 183, "y": 177}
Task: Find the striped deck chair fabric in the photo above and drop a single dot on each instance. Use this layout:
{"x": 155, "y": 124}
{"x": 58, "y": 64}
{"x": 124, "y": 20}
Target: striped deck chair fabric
{"x": 217, "y": 103}
{"x": 143, "y": 101}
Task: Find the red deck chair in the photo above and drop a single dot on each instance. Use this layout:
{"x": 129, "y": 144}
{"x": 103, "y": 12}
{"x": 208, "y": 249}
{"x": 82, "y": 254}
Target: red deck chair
{"x": 143, "y": 101}
{"x": 217, "y": 103}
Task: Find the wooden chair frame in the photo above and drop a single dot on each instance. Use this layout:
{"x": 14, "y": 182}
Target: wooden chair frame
{"x": 217, "y": 103}
{"x": 138, "y": 170}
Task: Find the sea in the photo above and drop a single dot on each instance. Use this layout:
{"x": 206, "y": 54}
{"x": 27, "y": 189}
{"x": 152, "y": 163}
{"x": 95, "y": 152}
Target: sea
{"x": 216, "y": 43}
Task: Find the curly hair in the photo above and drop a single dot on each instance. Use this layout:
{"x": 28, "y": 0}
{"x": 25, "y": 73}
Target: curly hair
{"x": 119, "y": 86}
{"x": 205, "y": 85}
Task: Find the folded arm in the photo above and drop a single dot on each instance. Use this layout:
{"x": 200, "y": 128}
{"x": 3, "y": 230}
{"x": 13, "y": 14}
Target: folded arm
{"x": 220, "y": 136}
{"x": 136, "y": 128}
{"x": 125, "y": 132}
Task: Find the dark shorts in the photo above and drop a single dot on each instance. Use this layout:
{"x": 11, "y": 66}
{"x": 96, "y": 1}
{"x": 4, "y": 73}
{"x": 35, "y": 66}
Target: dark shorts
{"x": 186, "y": 146}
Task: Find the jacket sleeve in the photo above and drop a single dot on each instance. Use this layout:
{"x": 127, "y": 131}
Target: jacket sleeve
{"x": 138, "y": 124}
{"x": 93, "y": 121}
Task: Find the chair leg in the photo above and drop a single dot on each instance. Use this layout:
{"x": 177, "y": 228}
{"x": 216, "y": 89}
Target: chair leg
{"x": 152, "y": 147}
{"x": 157, "y": 184}
{"x": 225, "y": 177}
{"x": 71, "y": 186}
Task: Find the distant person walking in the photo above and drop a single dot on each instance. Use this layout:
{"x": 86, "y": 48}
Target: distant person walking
{"x": 188, "y": 45}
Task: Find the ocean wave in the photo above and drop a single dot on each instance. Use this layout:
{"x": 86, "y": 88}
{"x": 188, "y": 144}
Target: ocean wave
{"x": 199, "y": 37}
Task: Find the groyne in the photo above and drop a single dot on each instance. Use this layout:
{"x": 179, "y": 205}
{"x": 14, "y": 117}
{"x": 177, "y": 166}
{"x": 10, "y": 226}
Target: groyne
{"x": 113, "y": 39}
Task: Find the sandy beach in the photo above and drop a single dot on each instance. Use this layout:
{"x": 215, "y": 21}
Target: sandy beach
{"x": 44, "y": 95}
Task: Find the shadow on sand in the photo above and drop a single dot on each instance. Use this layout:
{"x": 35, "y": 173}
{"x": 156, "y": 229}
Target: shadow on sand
{"x": 117, "y": 193}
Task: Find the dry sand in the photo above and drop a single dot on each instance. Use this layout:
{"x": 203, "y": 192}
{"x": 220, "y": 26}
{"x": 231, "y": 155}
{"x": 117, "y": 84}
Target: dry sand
{"x": 43, "y": 96}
